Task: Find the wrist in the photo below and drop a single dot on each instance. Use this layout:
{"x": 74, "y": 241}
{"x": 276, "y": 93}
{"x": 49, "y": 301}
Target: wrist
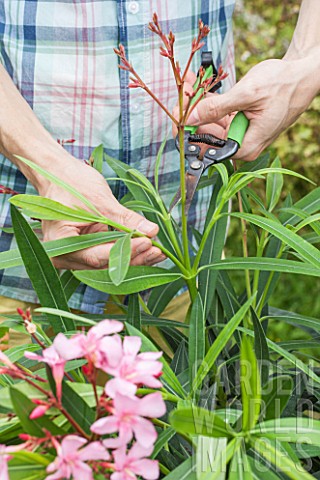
{"x": 307, "y": 67}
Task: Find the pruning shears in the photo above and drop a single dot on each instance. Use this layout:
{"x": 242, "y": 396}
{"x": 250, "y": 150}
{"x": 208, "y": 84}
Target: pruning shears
{"x": 219, "y": 149}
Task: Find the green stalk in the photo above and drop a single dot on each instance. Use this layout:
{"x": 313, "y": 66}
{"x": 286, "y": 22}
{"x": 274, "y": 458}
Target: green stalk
{"x": 245, "y": 246}
{"x": 266, "y": 288}
{"x": 206, "y": 233}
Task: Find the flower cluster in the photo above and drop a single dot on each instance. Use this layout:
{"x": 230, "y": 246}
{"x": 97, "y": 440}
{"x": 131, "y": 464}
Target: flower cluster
{"x": 123, "y": 434}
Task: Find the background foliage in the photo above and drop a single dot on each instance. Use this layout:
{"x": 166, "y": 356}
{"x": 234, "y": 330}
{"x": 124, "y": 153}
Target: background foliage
{"x": 263, "y": 29}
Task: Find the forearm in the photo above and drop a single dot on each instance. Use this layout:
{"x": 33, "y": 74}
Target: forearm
{"x": 22, "y": 134}
{"x": 305, "y": 44}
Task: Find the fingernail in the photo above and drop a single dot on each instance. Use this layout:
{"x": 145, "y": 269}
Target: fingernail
{"x": 194, "y": 118}
{"x": 146, "y": 227}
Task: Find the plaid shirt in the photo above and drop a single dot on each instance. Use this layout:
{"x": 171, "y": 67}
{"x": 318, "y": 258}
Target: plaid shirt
{"x": 60, "y": 56}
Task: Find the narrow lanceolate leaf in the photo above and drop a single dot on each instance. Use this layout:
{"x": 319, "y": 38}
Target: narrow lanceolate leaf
{"x": 274, "y": 185}
{"x": 134, "y": 313}
{"x": 196, "y": 337}
{"x": 308, "y": 252}
{"x": 168, "y": 378}
{"x": 279, "y": 460}
{"x": 250, "y": 385}
{"x": 77, "y": 407}
{"x": 119, "y": 259}
{"x": 240, "y": 468}
{"x": 137, "y": 279}
{"x": 265, "y": 264}
{"x": 12, "y": 258}
{"x": 199, "y": 421}
{"x": 209, "y": 450}
{"x": 42, "y": 273}
{"x": 47, "y": 209}
{"x": 297, "y": 429}
{"x": 185, "y": 471}
{"x": 23, "y": 407}
{"x": 161, "y": 296}
{"x": 220, "y": 342}
{"x": 157, "y": 164}
{"x": 275, "y": 396}
{"x": 261, "y": 348}
{"x": 96, "y": 158}
{"x": 69, "y": 283}
{"x": 162, "y": 440}
{"x": 218, "y": 463}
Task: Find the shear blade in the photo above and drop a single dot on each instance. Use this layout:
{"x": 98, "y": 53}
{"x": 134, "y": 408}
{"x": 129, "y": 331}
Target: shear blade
{"x": 191, "y": 186}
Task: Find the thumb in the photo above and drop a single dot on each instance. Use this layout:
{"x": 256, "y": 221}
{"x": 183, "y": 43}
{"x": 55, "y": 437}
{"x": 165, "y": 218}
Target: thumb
{"x": 134, "y": 221}
{"x": 215, "y": 107}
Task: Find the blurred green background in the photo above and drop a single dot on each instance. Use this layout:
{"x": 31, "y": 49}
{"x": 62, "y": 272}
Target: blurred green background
{"x": 263, "y": 29}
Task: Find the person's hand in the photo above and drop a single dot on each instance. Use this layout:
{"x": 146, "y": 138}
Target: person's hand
{"x": 272, "y": 96}
{"x": 218, "y": 128}
{"x": 93, "y": 186}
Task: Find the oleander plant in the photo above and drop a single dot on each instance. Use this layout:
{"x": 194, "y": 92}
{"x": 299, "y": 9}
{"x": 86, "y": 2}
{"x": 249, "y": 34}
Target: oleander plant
{"x": 92, "y": 398}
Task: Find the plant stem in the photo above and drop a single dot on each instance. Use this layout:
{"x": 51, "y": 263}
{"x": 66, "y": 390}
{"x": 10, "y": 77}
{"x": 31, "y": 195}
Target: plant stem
{"x": 256, "y": 274}
{"x": 245, "y": 245}
{"x": 73, "y": 422}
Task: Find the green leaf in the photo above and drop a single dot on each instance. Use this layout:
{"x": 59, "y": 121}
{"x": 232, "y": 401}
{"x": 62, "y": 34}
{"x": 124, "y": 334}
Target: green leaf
{"x": 69, "y": 283}
{"x": 211, "y": 457}
{"x": 158, "y": 162}
{"x": 261, "y": 348}
{"x": 199, "y": 421}
{"x": 137, "y": 279}
{"x": 23, "y": 407}
{"x": 240, "y": 468}
{"x": 275, "y": 396}
{"x": 261, "y": 470}
{"x": 119, "y": 259}
{"x": 196, "y": 337}
{"x": 293, "y": 430}
{"x": 23, "y": 387}
{"x": 97, "y": 158}
{"x": 134, "y": 313}
{"x": 308, "y": 252}
{"x": 279, "y": 460}
{"x": 219, "y": 463}
{"x": 42, "y": 273}
{"x": 168, "y": 378}
{"x": 77, "y": 407}
{"x": 162, "y": 440}
{"x": 274, "y": 185}
{"x": 12, "y": 258}
{"x": 47, "y": 209}
{"x": 185, "y": 471}
{"x": 264, "y": 264}
{"x": 250, "y": 385}
{"x": 161, "y": 296}
{"x": 180, "y": 361}
{"x": 141, "y": 207}
{"x": 220, "y": 342}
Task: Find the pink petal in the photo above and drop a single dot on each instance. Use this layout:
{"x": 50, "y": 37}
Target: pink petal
{"x": 148, "y": 469}
{"x": 131, "y": 345}
{"x": 107, "y": 327}
{"x": 152, "y": 406}
{"x": 71, "y": 443}
{"x": 149, "y": 355}
{"x": 149, "y": 367}
{"x": 138, "y": 451}
{"x": 147, "y": 380}
{"x": 105, "y": 425}
{"x": 144, "y": 431}
{"x": 114, "y": 442}
{"x": 38, "y": 412}
{"x": 4, "y": 475}
{"x": 6, "y": 360}
{"x": 94, "y": 451}
{"x": 119, "y": 385}
{"x": 125, "y": 405}
{"x": 81, "y": 471}
{"x": 121, "y": 476}
{"x": 120, "y": 457}
{"x": 111, "y": 348}
{"x": 68, "y": 348}
{"x": 34, "y": 356}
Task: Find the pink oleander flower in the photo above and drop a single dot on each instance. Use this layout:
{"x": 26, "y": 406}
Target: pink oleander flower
{"x": 89, "y": 345}
{"x": 129, "y": 367}
{"x": 7, "y": 362}
{"x": 5, "y": 457}
{"x": 128, "y": 465}
{"x": 127, "y": 419}
{"x": 55, "y": 362}
{"x": 71, "y": 458}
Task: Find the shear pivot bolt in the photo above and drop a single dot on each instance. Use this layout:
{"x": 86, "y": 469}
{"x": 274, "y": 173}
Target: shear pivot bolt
{"x": 192, "y": 148}
{"x": 212, "y": 151}
{"x": 196, "y": 164}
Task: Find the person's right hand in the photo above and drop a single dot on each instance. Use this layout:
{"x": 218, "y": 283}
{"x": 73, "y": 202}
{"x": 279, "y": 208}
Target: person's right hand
{"x": 94, "y": 187}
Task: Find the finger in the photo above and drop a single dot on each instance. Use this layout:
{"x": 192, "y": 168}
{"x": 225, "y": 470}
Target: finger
{"x": 132, "y": 220}
{"x": 150, "y": 258}
{"x": 214, "y": 107}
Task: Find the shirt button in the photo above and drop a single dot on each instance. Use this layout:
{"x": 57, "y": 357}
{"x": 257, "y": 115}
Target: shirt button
{"x": 133, "y": 7}
{"x": 135, "y": 108}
